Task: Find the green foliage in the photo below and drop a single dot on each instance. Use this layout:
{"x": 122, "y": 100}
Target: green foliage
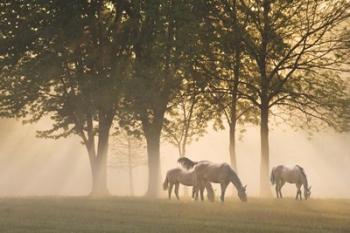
{"x": 65, "y": 61}
{"x": 72, "y": 61}
{"x": 162, "y": 58}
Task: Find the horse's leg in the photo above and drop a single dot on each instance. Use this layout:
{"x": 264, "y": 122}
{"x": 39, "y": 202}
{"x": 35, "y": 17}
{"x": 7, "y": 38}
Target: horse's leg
{"x": 201, "y": 190}
{"x": 297, "y": 197}
{"x": 300, "y": 196}
{"x": 280, "y": 188}
{"x": 195, "y": 193}
{"x": 280, "y": 193}
{"x": 195, "y": 187}
{"x": 210, "y": 192}
{"x": 170, "y": 190}
{"x": 177, "y": 190}
{"x": 298, "y": 192}
{"x": 277, "y": 189}
{"x": 223, "y": 190}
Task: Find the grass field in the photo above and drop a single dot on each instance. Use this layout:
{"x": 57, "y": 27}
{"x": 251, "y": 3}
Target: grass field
{"x": 72, "y": 215}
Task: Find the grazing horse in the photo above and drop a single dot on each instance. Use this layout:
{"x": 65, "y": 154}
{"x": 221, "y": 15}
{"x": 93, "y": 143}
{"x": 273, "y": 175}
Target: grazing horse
{"x": 221, "y": 173}
{"x": 296, "y": 175}
{"x": 178, "y": 176}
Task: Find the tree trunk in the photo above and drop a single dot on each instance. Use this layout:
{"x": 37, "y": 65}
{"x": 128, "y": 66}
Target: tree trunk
{"x": 131, "y": 185}
{"x": 99, "y": 177}
{"x": 234, "y": 89}
{"x": 131, "y": 182}
{"x": 99, "y": 163}
{"x": 233, "y": 117}
{"x": 264, "y": 106}
{"x": 153, "y": 152}
{"x": 264, "y": 164}
{"x": 233, "y": 120}
{"x": 233, "y": 145}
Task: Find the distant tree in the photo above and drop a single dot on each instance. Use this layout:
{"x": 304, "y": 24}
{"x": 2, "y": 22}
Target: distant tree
{"x": 187, "y": 121}
{"x": 127, "y": 152}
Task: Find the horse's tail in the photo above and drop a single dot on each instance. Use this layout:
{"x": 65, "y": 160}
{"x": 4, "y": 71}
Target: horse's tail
{"x": 272, "y": 177}
{"x": 165, "y": 183}
{"x": 186, "y": 163}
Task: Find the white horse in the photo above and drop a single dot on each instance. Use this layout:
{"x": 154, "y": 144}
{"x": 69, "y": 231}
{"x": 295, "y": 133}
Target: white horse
{"x": 221, "y": 173}
{"x": 296, "y": 175}
{"x": 178, "y": 176}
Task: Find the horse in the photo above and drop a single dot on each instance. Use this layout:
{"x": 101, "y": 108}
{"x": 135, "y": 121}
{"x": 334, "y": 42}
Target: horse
{"x": 178, "y": 176}
{"x": 296, "y": 175}
{"x": 221, "y": 173}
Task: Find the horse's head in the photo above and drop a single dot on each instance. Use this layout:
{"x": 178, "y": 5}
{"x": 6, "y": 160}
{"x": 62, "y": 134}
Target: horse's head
{"x": 242, "y": 193}
{"x": 307, "y": 193}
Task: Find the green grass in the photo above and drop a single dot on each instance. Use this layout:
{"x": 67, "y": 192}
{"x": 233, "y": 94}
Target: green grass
{"x": 125, "y": 215}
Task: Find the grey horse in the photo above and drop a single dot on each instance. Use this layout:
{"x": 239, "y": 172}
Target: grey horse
{"x": 221, "y": 173}
{"x": 296, "y": 175}
{"x": 178, "y": 176}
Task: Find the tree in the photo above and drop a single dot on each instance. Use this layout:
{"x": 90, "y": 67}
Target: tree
{"x": 222, "y": 64}
{"x": 188, "y": 120}
{"x": 128, "y": 152}
{"x": 161, "y": 49}
{"x": 291, "y": 42}
{"x": 66, "y": 62}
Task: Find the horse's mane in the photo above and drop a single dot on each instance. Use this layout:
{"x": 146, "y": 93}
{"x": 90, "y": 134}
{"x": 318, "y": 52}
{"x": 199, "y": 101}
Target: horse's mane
{"x": 235, "y": 179}
{"x": 302, "y": 171}
{"x": 186, "y": 163}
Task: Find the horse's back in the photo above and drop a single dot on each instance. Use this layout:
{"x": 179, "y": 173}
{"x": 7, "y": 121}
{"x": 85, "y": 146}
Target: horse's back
{"x": 280, "y": 168}
{"x": 288, "y": 174}
{"x": 174, "y": 170}
{"x": 173, "y": 173}
{"x": 213, "y": 172}
{"x": 186, "y": 178}
{"x": 177, "y": 175}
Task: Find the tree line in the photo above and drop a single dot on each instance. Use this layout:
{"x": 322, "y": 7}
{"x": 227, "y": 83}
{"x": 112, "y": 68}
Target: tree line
{"x": 165, "y": 68}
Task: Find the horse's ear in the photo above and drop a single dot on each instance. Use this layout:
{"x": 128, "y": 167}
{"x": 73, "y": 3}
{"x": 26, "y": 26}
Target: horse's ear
{"x": 245, "y": 187}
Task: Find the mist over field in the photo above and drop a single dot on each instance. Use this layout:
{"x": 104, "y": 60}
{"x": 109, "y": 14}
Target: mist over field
{"x": 30, "y": 166}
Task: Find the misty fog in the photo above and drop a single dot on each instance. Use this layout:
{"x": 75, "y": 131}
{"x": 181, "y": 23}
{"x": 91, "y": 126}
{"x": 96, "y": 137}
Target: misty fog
{"x": 32, "y": 166}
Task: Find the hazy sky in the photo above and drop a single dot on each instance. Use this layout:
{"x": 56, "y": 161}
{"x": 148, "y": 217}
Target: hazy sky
{"x": 31, "y": 166}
